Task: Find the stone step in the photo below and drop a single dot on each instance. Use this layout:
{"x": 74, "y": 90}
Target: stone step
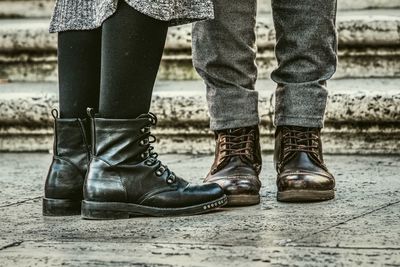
{"x": 369, "y": 46}
{"x": 362, "y": 116}
{"x": 264, "y": 6}
{"x": 362, "y": 28}
{"x": 43, "y": 8}
{"x": 26, "y": 8}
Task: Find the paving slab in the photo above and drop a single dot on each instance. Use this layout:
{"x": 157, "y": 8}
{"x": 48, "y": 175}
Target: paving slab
{"x": 139, "y": 254}
{"x": 359, "y": 227}
{"x": 352, "y": 233}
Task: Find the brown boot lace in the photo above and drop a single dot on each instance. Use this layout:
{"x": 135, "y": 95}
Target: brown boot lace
{"x": 301, "y": 139}
{"x": 237, "y": 142}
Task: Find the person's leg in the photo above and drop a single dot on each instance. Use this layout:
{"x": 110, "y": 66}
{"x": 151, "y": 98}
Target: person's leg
{"x": 79, "y": 59}
{"x": 133, "y": 44}
{"x": 79, "y": 85}
{"x": 224, "y": 53}
{"x": 125, "y": 176}
{"x": 306, "y": 52}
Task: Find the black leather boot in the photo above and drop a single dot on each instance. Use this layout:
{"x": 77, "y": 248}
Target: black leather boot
{"x": 237, "y": 165}
{"x": 302, "y": 174}
{"x": 63, "y": 188}
{"x": 125, "y": 178}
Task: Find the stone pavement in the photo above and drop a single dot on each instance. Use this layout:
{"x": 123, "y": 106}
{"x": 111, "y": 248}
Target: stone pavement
{"x": 360, "y": 227}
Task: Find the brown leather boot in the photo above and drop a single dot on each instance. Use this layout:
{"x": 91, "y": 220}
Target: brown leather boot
{"x": 237, "y": 165}
{"x": 302, "y": 174}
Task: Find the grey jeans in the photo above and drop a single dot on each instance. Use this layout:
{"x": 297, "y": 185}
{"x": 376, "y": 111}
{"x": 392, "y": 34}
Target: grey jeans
{"x": 224, "y": 54}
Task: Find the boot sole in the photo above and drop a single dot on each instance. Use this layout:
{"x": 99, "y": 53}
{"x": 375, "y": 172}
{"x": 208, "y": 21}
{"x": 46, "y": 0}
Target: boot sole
{"x": 305, "y": 195}
{"x": 116, "y": 210}
{"x": 243, "y": 200}
{"x": 61, "y": 207}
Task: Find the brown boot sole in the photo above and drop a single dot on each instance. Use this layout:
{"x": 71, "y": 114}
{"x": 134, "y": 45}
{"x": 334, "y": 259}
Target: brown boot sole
{"x": 305, "y": 195}
{"x": 117, "y": 210}
{"x": 243, "y": 200}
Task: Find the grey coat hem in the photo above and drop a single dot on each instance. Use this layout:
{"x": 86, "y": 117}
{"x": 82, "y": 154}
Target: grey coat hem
{"x": 90, "y": 14}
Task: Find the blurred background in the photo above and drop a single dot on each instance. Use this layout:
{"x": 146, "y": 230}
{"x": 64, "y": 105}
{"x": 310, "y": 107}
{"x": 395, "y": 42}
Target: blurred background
{"x": 363, "y": 113}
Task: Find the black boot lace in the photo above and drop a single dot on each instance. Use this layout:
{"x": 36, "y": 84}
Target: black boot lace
{"x": 150, "y": 157}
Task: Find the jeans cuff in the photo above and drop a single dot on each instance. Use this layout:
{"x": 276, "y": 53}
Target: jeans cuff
{"x": 301, "y": 104}
{"x": 221, "y": 124}
{"x": 314, "y": 122}
{"x": 232, "y": 107}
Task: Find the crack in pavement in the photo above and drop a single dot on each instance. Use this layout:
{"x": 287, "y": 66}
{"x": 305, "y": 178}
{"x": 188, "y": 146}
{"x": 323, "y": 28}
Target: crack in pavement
{"x": 20, "y": 202}
{"x": 72, "y": 241}
{"x": 344, "y": 222}
{"x": 14, "y": 244}
{"x": 167, "y": 244}
{"x": 348, "y": 247}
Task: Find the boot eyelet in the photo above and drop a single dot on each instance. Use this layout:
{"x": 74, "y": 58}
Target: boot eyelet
{"x": 143, "y": 156}
{"x": 171, "y": 179}
{"x": 147, "y": 162}
{"x": 158, "y": 173}
{"x": 143, "y": 130}
{"x": 143, "y": 142}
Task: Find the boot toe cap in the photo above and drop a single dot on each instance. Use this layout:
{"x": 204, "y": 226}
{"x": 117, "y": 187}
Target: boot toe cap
{"x": 239, "y": 185}
{"x": 305, "y": 180}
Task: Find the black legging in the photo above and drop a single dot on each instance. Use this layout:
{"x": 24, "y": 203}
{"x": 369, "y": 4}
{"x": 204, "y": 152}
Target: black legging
{"x": 112, "y": 69}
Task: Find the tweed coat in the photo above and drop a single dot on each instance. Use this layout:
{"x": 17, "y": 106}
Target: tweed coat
{"x": 90, "y": 14}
